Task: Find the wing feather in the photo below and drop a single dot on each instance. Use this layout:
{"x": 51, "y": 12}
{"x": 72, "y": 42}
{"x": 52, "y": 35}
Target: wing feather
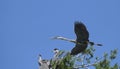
{"x": 78, "y": 49}
{"x": 81, "y": 32}
{"x": 82, "y": 36}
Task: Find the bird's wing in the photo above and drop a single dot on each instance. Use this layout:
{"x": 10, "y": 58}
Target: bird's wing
{"x": 81, "y": 32}
{"x": 78, "y": 49}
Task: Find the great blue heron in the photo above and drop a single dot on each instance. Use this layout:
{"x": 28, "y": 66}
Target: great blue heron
{"x": 82, "y": 39}
{"x": 56, "y": 53}
{"x": 44, "y": 64}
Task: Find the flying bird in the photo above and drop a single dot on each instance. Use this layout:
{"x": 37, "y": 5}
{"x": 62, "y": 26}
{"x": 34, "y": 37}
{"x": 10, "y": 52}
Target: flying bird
{"x": 82, "y": 38}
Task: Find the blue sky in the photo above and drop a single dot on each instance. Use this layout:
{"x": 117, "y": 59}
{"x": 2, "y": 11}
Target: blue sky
{"x": 26, "y": 27}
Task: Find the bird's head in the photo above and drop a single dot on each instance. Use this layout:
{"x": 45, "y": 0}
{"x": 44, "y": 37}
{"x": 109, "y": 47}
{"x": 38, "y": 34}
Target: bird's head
{"x": 56, "y": 50}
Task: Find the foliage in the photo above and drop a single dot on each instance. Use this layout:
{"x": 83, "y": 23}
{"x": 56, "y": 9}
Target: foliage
{"x": 84, "y": 60}
{"x": 105, "y": 63}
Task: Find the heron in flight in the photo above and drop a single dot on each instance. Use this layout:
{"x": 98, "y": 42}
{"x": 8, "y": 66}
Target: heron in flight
{"x": 82, "y": 39}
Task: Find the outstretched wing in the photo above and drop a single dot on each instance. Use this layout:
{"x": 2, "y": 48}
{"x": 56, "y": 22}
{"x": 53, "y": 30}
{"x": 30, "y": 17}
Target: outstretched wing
{"x": 78, "y": 49}
{"x": 81, "y": 32}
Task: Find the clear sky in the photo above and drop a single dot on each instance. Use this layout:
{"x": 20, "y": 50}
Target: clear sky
{"x": 26, "y": 27}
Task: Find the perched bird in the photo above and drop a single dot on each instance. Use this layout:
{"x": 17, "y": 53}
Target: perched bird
{"x": 56, "y": 53}
{"x": 82, "y": 39}
{"x": 44, "y": 64}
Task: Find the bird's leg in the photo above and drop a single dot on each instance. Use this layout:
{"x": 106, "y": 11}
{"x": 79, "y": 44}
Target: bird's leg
{"x": 92, "y": 43}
